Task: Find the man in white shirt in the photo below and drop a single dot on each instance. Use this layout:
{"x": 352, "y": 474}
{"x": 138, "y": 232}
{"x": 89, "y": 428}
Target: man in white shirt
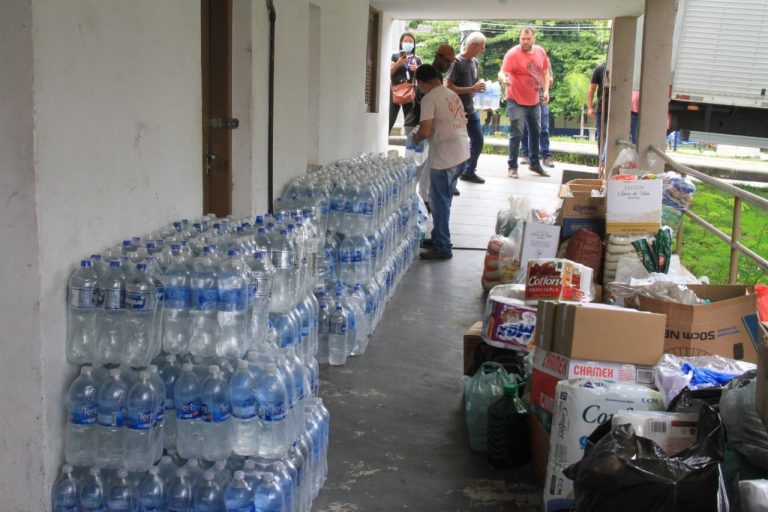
{"x": 444, "y": 124}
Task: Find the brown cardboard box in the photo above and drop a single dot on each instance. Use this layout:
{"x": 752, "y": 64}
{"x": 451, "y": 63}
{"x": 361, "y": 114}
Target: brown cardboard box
{"x": 580, "y": 209}
{"x": 726, "y": 327}
{"x": 545, "y": 323}
{"x": 608, "y": 333}
{"x": 761, "y": 394}
{"x": 539, "y": 447}
{"x": 472, "y": 338}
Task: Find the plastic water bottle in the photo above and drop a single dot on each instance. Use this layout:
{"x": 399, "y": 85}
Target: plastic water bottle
{"x": 267, "y": 496}
{"x": 204, "y": 306}
{"x": 337, "y": 336}
{"x": 345, "y": 267}
{"x": 159, "y": 394}
{"x": 272, "y": 399}
{"x": 263, "y": 275}
{"x": 296, "y": 457}
{"x": 81, "y": 315}
{"x": 140, "y": 415}
{"x": 111, "y": 338}
{"x": 121, "y": 496}
{"x": 208, "y": 496}
{"x": 151, "y": 492}
{"x": 237, "y": 497}
{"x": 177, "y": 303}
{"x": 217, "y": 439}
{"x": 158, "y": 281}
{"x": 169, "y": 372}
{"x": 242, "y": 393}
{"x": 66, "y": 492}
{"x": 110, "y": 420}
{"x": 140, "y": 306}
{"x": 323, "y": 331}
{"x": 233, "y": 295}
{"x": 281, "y": 253}
{"x": 179, "y": 495}
{"x": 186, "y": 397}
{"x": 167, "y": 467}
{"x": 357, "y": 303}
{"x": 92, "y": 497}
{"x": 80, "y": 444}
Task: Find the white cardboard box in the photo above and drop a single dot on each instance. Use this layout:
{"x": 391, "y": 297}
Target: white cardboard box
{"x": 633, "y": 206}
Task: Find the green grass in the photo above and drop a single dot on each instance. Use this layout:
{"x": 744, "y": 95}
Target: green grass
{"x": 706, "y": 255}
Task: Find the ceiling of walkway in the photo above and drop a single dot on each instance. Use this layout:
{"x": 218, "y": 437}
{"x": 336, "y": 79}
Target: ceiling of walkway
{"x": 508, "y": 9}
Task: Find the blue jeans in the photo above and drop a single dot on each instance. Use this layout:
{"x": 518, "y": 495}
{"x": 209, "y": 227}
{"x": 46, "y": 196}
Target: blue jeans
{"x": 441, "y": 184}
{"x": 475, "y": 132}
{"x": 518, "y": 116}
{"x": 544, "y": 135}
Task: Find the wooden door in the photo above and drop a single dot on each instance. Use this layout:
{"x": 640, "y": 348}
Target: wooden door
{"x": 217, "y": 106}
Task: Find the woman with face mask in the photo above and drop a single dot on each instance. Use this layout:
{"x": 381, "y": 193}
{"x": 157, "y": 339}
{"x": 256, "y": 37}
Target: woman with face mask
{"x": 404, "y": 64}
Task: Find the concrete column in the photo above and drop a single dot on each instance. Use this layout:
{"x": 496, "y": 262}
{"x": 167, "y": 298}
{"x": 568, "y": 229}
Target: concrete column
{"x": 622, "y": 63}
{"x": 658, "y": 31}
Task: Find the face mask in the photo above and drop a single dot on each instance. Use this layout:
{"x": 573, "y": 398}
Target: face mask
{"x": 407, "y": 47}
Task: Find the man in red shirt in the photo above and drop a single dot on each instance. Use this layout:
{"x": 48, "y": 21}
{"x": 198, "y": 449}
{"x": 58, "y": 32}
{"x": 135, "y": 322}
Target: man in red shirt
{"x": 525, "y": 71}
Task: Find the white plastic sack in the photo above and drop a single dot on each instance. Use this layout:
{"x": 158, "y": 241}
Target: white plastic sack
{"x": 754, "y": 495}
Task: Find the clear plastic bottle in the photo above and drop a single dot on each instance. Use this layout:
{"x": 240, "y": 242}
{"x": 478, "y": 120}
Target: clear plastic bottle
{"x": 176, "y": 330}
{"x": 237, "y": 497}
{"x": 121, "y": 496}
{"x": 186, "y": 396}
{"x": 151, "y": 492}
{"x": 242, "y": 393}
{"x": 263, "y": 275}
{"x": 110, "y": 420}
{"x": 159, "y": 394}
{"x": 232, "y": 310}
{"x": 323, "y": 332}
{"x": 216, "y": 430}
{"x": 83, "y": 303}
{"x": 357, "y": 303}
{"x": 111, "y": 317}
{"x": 267, "y": 496}
{"x": 140, "y": 308}
{"x": 158, "y": 281}
{"x": 80, "y": 440}
{"x": 92, "y": 494}
{"x": 272, "y": 399}
{"x": 179, "y": 495}
{"x": 337, "y": 336}
{"x": 282, "y": 255}
{"x": 66, "y": 491}
{"x": 169, "y": 372}
{"x": 139, "y": 420}
{"x": 204, "y": 306}
{"x": 208, "y": 496}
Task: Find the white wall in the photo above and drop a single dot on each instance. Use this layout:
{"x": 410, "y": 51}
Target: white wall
{"x": 242, "y": 169}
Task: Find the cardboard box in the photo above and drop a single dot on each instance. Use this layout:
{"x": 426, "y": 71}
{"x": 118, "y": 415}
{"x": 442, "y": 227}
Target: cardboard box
{"x": 539, "y": 447}
{"x": 580, "y": 209}
{"x": 633, "y": 206}
{"x": 727, "y": 326}
{"x": 545, "y": 323}
{"x": 761, "y": 393}
{"x": 472, "y": 338}
{"x": 550, "y": 368}
{"x": 608, "y": 333}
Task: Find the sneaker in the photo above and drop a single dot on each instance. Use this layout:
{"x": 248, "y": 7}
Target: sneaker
{"x": 547, "y": 162}
{"x": 471, "y": 176}
{"x": 456, "y": 192}
{"x": 426, "y": 243}
{"x": 436, "y": 255}
{"x": 512, "y": 173}
{"x": 524, "y": 160}
{"x": 538, "y": 169}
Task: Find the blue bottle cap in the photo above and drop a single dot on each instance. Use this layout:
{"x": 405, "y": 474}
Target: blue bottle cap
{"x": 127, "y": 243}
{"x": 175, "y": 247}
{"x": 86, "y": 263}
{"x": 233, "y": 252}
{"x": 284, "y": 232}
{"x": 114, "y": 264}
{"x": 141, "y": 266}
{"x": 96, "y": 257}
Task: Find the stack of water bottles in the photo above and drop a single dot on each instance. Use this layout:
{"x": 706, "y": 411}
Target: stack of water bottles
{"x": 490, "y": 98}
{"x": 200, "y": 345}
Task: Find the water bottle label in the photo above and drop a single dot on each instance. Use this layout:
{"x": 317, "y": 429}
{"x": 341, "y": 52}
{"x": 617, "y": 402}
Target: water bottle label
{"x": 204, "y": 298}
{"x": 83, "y": 415}
{"x": 367, "y": 209}
{"x": 271, "y": 411}
{"x": 282, "y": 259}
{"x": 251, "y": 292}
{"x": 111, "y": 419}
{"x": 215, "y": 413}
{"x": 262, "y": 287}
{"x": 83, "y": 298}
{"x": 357, "y": 256}
{"x": 324, "y": 207}
{"x": 352, "y": 322}
{"x": 348, "y": 207}
{"x": 139, "y": 301}
{"x": 232, "y": 299}
{"x": 112, "y": 299}
{"x": 285, "y": 341}
{"x": 244, "y": 410}
{"x": 336, "y": 205}
{"x": 177, "y": 297}
{"x": 160, "y": 293}
{"x": 188, "y": 411}
{"x": 346, "y": 256}
{"x": 160, "y": 413}
{"x": 139, "y": 420}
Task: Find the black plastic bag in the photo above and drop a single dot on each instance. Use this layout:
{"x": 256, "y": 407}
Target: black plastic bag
{"x": 621, "y": 471}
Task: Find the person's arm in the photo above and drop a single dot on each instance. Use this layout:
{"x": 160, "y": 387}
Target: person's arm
{"x": 590, "y": 99}
{"x": 396, "y": 65}
{"x": 425, "y": 129}
{"x": 478, "y": 87}
{"x": 546, "y": 81}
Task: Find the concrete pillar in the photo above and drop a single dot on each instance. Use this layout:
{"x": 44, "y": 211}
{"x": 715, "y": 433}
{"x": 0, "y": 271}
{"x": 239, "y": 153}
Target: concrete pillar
{"x": 658, "y": 31}
{"x": 622, "y": 63}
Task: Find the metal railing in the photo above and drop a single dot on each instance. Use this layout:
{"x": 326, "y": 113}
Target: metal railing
{"x": 739, "y": 196}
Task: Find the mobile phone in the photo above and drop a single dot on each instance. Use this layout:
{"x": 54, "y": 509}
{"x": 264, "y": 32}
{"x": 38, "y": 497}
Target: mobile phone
{"x": 402, "y": 54}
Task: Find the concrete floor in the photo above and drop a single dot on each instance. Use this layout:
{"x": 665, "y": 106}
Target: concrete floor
{"x": 398, "y": 436}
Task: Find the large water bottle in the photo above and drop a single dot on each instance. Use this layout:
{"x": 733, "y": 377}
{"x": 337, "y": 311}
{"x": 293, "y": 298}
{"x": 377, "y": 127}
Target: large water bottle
{"x": 267, "y": 496}
{"x": 238, "y": 498}
{"x": 169, "y": 372}
{"x": 92, "y": 494}
{"x": 282, "y": 256}
{"x": 242, "y": 394}
{"x": 159, "y": 394}
{"x": 208, "y": 496}
{"x": 167, "y": 467}
{"x": 80, "y": 443}
{"x": 179, "y": 495}
{"x": 83, "y": 302}
{"x": 186, "y": 396}
{"x": 233, "y": 296}
{"x": 121, "y": 496}
{"x": 217, "y": 439}
{"x": 140, "y": 307}
{"x": 272, "y": 399}
{"x": 110, "y": 418}
{"x": 357, "y": 302}
{"x": 151, "y": 492}
{"x": 337, "y": 336}
{"x": 348, "y": 258}
{"x": 176, "y": 330}
{"x": 66, "y": 491}
{"x": 204, "y": 305}
{"x": 158, "y": 281}
{"x": 296, "y": 457}
{"x": 262, "y": 273}
{"x": 323, "y": 332}
{"x": 111, "y": 338}
{"x": 139, "y": 420}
